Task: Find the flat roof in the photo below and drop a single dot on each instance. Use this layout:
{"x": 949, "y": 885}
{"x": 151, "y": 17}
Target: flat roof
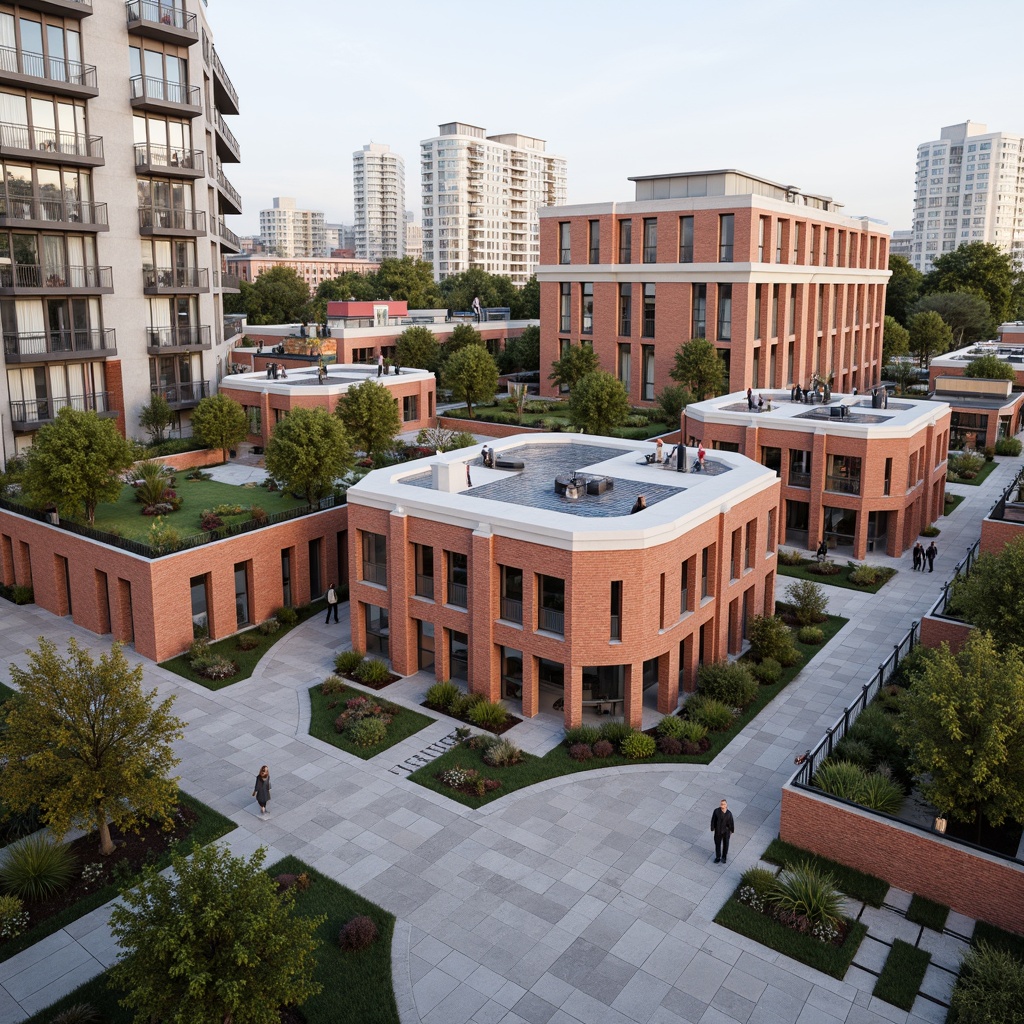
{"x": 303, "y": 380}
{"x": 521, "y": 501}
{"x": 1008, "y": 351}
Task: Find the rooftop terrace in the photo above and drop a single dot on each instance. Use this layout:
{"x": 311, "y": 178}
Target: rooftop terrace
{"x": 303, "y": 379}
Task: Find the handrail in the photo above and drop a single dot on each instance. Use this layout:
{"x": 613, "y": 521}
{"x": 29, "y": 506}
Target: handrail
{"x": 53, "y": 69}
{"x": 70, "y": 211}
{"x": 152, "y": 88}
{"x": 168, "y": 156}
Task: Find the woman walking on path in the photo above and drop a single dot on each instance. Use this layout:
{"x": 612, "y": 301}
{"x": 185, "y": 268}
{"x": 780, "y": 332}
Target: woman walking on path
{"x": 262, "y": 789}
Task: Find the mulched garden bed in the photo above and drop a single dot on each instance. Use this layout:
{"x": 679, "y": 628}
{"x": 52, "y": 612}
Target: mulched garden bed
{"x": 510, "y": 721}
{"x": 370, "y": 686}
{"x": 700, "y": 748}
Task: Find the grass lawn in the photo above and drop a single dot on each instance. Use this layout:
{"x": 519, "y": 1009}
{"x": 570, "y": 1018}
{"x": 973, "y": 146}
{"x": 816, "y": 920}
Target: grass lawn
{"x": 841, "y": 579}
{"x": 855, "y": 884}
{"x": 209, "y": 826}
{"x": 245, "y": 660}
{"x": 979, "y": 479}
{"x": 1013, "y": 944}
{"x": 557, "y": 762}
{"x": 902, "y": 974}
{"x": 356, "y": 986}
{"x": 125, "y": 518}
{"x": 561, "y": 419}
{"x": 931, "y": 915}
{"x": 321, "y": 724}
{"x": 952, "y": 501}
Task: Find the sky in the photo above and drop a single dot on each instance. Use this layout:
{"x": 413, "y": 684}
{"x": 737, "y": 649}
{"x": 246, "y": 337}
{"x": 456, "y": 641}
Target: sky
{"x": 831, "y": 97}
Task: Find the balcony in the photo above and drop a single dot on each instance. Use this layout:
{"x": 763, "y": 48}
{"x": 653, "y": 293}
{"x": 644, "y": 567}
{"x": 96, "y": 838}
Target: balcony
{"x": 49, "y": 213}
{"x": 375, "y": 572}
{"x": 50, "y": 346}
{"x": 163, "y": 221}
{"x": 175, "y": 280}
{"x": 180, "y": 163}
{"x": 67, "y": 77}
{"x": 798, "y": 479}
{"x": 229, "y": 240}
{"x": 227, "y": 144}
{"x": 69, "y": 8}
{"x": 161, "y": 340}
{"x": 230, "y": 283}
{"x": 32, "y": 413}
{"x": 551, "y": 621}
{"x": 458, "y": 594}
{"x": 843, "y": 484}
{"x": 224, "y": 94}
{"x": 166, "y": 22}
{"x": 512, "y": 610}
{"x": 159, "y": 96}
{"x": 229, "y": 195}
{"x": 425, "y": 586}
{"x": 182, "y": 396}
{"x": 29, "y": 143}
{"x": 33, "y": 279}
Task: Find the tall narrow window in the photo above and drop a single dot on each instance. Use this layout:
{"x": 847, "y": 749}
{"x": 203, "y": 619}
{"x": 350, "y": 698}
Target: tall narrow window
{"x": 564, "y": 249}
{"x": 626, "y": 240}
{"x": 698, "y": 320}
{"x": 625, "y": 309}
{"x": 758, "y": 292}
{"x": 684, "y": 589}
{"x": 458, "y": 579}
{"x": 241, "y": 594}
{"x": 887, "y": 484}
{"x": 512, "y": 594}
{"x": 316, "y": 583}
{"x": 797, "y": 233}
{"x": 770, "y": 547}
{"x": 647, "y": 361}
{"x": 778, "y": 241}
{"x": 791, "y": 311}
{"x": 685, "y": 239}
{"x": 705, "y": 570}
{"x": 286, "y": 577}
{"x": 375, "y": 558}
{"x": 565, "y": 308}
{"x": 762, "y": 230}
{"x": 725, "y": 312}
{"x": 587, "y": 307}
{"x": 615, "y": 631}
{"x": 425, "y": 571}
{"x": 775, "y": 311}
{"x": 625, "y": 365}
{"x": 551, "y": 604}
{"x": 594, "y": 249}
{"x": 377, "y": 632}
{"x": 726, "y": 230}
{"x": 649, "y": 297}
{"x": 650, "y": 239}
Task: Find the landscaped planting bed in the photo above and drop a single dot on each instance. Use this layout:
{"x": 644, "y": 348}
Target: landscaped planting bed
{"x": 549, "y": 414}
{"x": 856, "y": 884}
{"x": 979, "y": 478}
{"x": 951, "y": 503}
{"x": 931, "y": 915}
{"x": 805, "y": 570}
{"x": 372, "y": 673}
{"x": 447, "y": 699}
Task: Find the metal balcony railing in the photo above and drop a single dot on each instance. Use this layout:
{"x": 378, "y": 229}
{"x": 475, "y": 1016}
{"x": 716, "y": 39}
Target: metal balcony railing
{"x": 32, "y": 410}
{"x": 160, "y": 14}
{"x": 512, "y": 610}
{"x": 164, "y": 156}
{"x": 425, "y": 586}
{"x": 615, "y": 633}
{"x": 43, "y": 343}
{"x": 458, "y": 594}
{"x": 29, "y": 275}
{"x": 48, "y": 140}
{"x": 552, "y": 621}
{"x": 227, "y": 234}
{"x": 375, "y": 572}
{"x": 218, "y": 67}
{"x": 843, "y": 484}
{"x": 229, "y": 136}
{"x": 162, "y": 217}
{"x": 799, "y": 479}
{"x": 57, "y": 211}
{"x": 175, "y": 277}
{"x": 183, "y": 394}
{"x": 150, "y": 88}
{"x": 55, "y": 69}
{"x": 229, "y": 188}
{"x": 177, "y": 337}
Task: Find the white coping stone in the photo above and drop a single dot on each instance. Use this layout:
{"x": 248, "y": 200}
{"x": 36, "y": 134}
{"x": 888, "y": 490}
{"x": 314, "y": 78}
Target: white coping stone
{"x": 257, "y": 381}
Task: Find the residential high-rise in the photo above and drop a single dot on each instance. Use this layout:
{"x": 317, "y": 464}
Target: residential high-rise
{"x": 413, "y": 237}
{"x": 378, "y": 185}
{"x": 289, "y": 232}
{"x": 481, "y": 198}
{"x": 69, "y": 235}
{"x": 969, "y": 188}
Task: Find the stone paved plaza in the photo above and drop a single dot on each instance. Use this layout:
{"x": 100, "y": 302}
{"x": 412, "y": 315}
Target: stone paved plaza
{"x": 588, "y": 899}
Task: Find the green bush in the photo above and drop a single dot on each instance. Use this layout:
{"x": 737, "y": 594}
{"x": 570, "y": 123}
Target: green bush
{"x": 1008, "y": 446}
{"x": 864, "y": 575}
{"x": 13, "y": 917}
{"x": 810, "y": 893}
{"x": 588, "y": 734}
{"x": 771, "y": 638}
{"x": 712, "y": 714}
{"x": 333, "y": 684}
{"x": 692, "y": 732}
{"x": 966, "y": 465}
{"x": 373, "y": 672}
{"x": 990, "y": 988}
{"x": 348, "y": 661}
{"x": 790, "y": 557}
{"x": 930, "y": 531}
{"x": 637, "y": 745}
{"x": 876, "y": 728}
{"x": 286, "y": 616}
{"x": 443, "y": 695}
{"x": 810, "y": 635}
{"x": 615, "y": 731}
{"x": 36, "y": 868}
{"x": 729, "y": 682}
{"x": 77, "y": 1013}
{"x": 488, "y": 714}
{"x": 760, "y": 880}
{"x": 248, "y": 642}
{"x": 672, "y": 725}
{"x": 464, "y": 703}
{"x": 809, "y": 602}
{"x": 840, "y": 778}
{"x": 268, "y": 627}
{"x": 367, "y": 732}
{"x": 767, "y": 672}
{"x": 848, "y": 749}
{"x": 502, "y": 753}
{"x": 199, "y": 653}
{"x": 880, "y": 793}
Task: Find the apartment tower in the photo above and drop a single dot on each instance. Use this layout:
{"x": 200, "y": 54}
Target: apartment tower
{"x": 378, "y": 185}
{"x": 290, "y": 232}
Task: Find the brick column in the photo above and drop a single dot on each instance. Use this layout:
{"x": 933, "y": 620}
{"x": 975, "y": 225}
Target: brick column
{"x": 402, "y": 635}
{"x": 668, "y": 680}
{"x": 483, "y": 605}
{"x": 531, "y": 694}
{"x": 633, "y": 687}
{"x": 573, "y": 693}
{"x": 815, "y": 515}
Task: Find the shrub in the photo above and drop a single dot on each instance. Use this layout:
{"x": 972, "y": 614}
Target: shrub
{"x": 463, "y": 704}
{"x": 602, "y": 748}
{"x": 333, "y": 684}
{"x": 210, "y": 521}
{"x": 218, "y": 667}
{"x": 615, "y": 731}
{"x": 756, "y": 885}
{"x": 21, "y": 594}
{"x": 442, "y": 695}
{"x": 930, "y": 531}
{"x": 36, "y": 868}
{"x": 359, "y": 933}
{"x": 826, "y": 568}
{"x": 13, "y": 917}
{"x": 581, "y": 752}
{"x": 840, "y": 778}
{"x": 248, "y": 642}
{"x": 671, "y": 725}
{"x": 268, "y": 627}
{"x": 637, "y": 745}
{"x": 488, "y": 714}
{"x": 771, "y": 638}
{"x": 502, "y": 753}
{"x": 990, "y": 987}
{"x": 855, "y": 752}
{"x": 808, "y": 600}
{"x": 373, "y": 672}
{"x": 880, "y": 793}
{"x": 286, "y": 616}
{"x": 810, "y": 635}
{"x": 712, "y": 714}
{"x": 582, "y": 734}
{"x": 767, "y": 672}
{"x": 790, "y": 557}
{"x": 199, "y": 653}
{"x": 730, "y": 683}
{"x": 367, "y": 732}
{"x": 875, "y": 727}
{"x": 258, "y": 514}
{"x": 669, "y": 745}
{"x": 1008, "y": 446}
{"x": 692, "y": 733}
{"x": 78, "y": 1013}
{"x": 966, "y": 465}
{"x": 805, "y": 892}
{"x": 348, "y": 661}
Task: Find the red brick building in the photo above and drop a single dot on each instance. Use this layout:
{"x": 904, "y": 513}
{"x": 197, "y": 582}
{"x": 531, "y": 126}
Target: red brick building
{"x": 780, "y": 281}
{"x": 528, "y": 584}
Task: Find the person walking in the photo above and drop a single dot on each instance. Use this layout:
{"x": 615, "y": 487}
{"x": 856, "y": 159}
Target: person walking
{"x": 750, "y": 399}
{"x": 380, "y": 364}
{"x": 931, "y": 552}
{"x": 332, "y": 604}
{"x": 476, "y": 308}
{"x": 918, "y": 556}
{"x": 262, "y": 789}
{"x": 722, "y": 825}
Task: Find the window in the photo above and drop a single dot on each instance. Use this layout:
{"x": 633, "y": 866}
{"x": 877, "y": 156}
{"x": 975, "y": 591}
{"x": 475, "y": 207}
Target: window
{"x": 410, "y": 408}
{"x": 511, "y": 594}
{"x": 424, "y": 644}
{"x": 685, "y": 239}
{"x": 625, "y": 365}
{"x": 424, "y": 571}
{"x": 458, "y": 655}
{"x": 587, "y": 307}
{"x": 797, "y": 523}
{"x": 625, "y": 309}
{"x": 725, "y": 312}
{"x": 775, "y": 311}
{"x": 771, "y": 458}
{"x": 705, "y": 573}
{"x": 565, "y": 308}
{"x": 564, "y": 249}
{"x": 375, "y": 558}
{"x": 615, "y": 629}
{"x": 286, "y": 577}
{"x": 843, "y": 474}
{"x": 698, "y": 322}
{"x": 376, "y": 630}
{"x": 254, "y": 418}
{"x": 595, "y": 241}
{"x": 650, "y": 239}
{"x": 778, "y": 241}
{"x": 791, "y": 311}
{"x": 796, "y": 242}
{"x": 770, "y": 547}
{"x": 751, "y": 539}
{"x": 799, "y": 468}
{"x": 684, "y": 588}
{"x": 647, "y": 367}
{"x": 726, "y": 230}
{"x": 734, "y": 561}
{"x": 198, "y": 587}
{"x": 762, "y": 230}
{"x": 316, "y": 584}
{"x": 757, "y": 311}
{"x": 649, "y": 297}
{"x": 626, "y": 241}
{"x": 241, "y": 594}
{"x": 887, "y": 483}
{"x": 458, "y": 579}
{"x": 551, "y": 604}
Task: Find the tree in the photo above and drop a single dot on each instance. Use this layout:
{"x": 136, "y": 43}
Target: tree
{"x": 348, "y": 286}
{"x": 576, "y": 362}
{"x": 471, "y": 375}
{"x": 672, "y": 401}
{"x": 156, "y": 417}
{"x": 929, "y": 335}
{"x": 526, "y": 301}
{"x": 992, "y": 593}
{"x": 370, "y": 414}
{"x": 307, "y": 452}
{"x": 968, "y": 316}
{"x": 219, "y": 422}
{"x": 903, "y": 288}
{"x": 408, "y": 279}
{"x": 75, "y": 463}
{"x": 84, "y": 742}
{"x": 983, "y": 269}
{"x": 895, "y": 340}
{"x": 461, "y": 336}
{"x": 902, "y": 373}
{"x": 459, "y": 290}
{"x": 418, "y": 346}
{"x": 963, "y": 721}
{"x": 217, "y": 942}
{"x": 522, "y": 353}
{"x": 277, "y": 296}
{"x": 990, "y": 367}
{"x": 700, "y": 367}
{"x": 598, "y": 403}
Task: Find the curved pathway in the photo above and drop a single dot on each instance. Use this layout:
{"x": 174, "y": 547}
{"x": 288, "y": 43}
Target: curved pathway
{"x": 585, "y": 899}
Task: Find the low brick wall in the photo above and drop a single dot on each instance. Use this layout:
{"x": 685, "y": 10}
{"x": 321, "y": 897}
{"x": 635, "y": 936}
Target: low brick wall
{"x": 192, "y": 460}
{"x": 936, "y": 631}
{"x": 997, "y": 533}
{"x": 483, "y": 427}
{"x": 972, "y": 883}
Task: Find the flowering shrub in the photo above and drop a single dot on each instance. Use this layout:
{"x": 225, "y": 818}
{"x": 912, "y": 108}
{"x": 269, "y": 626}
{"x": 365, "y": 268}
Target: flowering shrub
{"x": 13, "y": 918}
{"x": 93, "y": 872}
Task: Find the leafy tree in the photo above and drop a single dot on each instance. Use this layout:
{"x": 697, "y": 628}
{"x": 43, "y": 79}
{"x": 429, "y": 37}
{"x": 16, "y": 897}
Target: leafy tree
{"x": 929, "y": 335}
{"x": 458, "y": 290}
{"x": 87, "y": 744}
{"x": 526, "y": 302}
{"x": 219, "y": 422}
{"x": 461, "y": 336}
{"x": 348, "y": 286}
{"x": 902, "y": 373}
{"x": 156, "y": 417}
{"x": 700, "y": 367}
{"x": 418, "y": 346}
{"x": 522, "y": 353}
{"x": 441, "y": 439}
{"x": 895, "y": 340}
{"x": 370, "y": 414}
{"x": 969, "y": 316}
{"x": 963, "y": 720}
{"x": 277, "y": 296}
{"x": 576, "y": 362}
{"x": 409, "y": 279}
{"x": 992, "y": 593}
{"x": 471, "y": 375}
{"x": 990, "y": 367}
{"x": 307, "y": 452}
{"x": 903, "y": 288}
{"x": 672, "y": 401}
{"x": 983, "y": 269}
{"x": 598, "y": 403}
{"x": 75, "y": 463}
{"x": 217, "y": 942}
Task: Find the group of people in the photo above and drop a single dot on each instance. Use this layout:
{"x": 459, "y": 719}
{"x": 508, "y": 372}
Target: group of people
{"x": 487, "y": 456}
{"x": 924, "y": 554}
{"x": 276, "y": 371}
{"x": 758, "y": 404}
{"x": 382, "y": 370}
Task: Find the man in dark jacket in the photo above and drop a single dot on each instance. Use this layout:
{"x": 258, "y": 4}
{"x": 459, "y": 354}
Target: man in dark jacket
{"x": 722, "y": 825}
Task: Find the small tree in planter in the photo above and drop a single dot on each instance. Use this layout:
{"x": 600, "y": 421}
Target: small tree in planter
{"x": 220, "y": 422}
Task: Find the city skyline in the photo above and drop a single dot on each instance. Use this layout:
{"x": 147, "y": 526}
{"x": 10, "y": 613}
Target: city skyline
{"x": 791, "y": 93}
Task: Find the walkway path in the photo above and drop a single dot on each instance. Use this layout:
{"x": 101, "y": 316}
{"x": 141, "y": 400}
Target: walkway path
{"x": 585, "y": 899}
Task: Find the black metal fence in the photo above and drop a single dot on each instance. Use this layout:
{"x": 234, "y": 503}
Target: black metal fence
{"x": 999, "y": 508}
{"x": 963, "y": 566}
